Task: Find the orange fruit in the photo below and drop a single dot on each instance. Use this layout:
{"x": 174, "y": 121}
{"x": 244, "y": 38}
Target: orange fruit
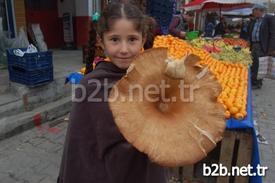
{"x": 233, "y": 110}
{"x": 239, "y": 116}
{"x": 227, "y": 114}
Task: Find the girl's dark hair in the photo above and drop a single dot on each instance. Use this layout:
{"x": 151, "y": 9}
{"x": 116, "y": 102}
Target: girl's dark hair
{"x": 115, "y": 11}
{"x": 111, "y": 13}
{"x": 91, "y": 48}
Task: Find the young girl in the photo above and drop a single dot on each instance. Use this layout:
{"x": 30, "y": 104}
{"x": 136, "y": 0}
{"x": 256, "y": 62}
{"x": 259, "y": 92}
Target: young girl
{"x": 95, "y": 151}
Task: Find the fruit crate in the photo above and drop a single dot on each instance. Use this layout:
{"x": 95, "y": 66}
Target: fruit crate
{"x": 30, "y": 61}
{"x": 32, "y": 69}
{"x": 234, "y": 150}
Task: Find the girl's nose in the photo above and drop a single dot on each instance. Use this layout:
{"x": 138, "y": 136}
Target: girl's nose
{"x": 124, "y": 47}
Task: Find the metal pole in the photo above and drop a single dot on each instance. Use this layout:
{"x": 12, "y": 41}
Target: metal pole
{"x": 199, "y": 21}
{"x": 195, "y": 20}
{"x": 220, "y": 12}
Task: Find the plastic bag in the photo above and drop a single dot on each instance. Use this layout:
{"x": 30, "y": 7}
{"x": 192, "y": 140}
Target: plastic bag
{"x": 18, "y": 53}
{"x": 31, "y": 49}
{"x": 266, "y": 67}
{"x": 272, "y": 69}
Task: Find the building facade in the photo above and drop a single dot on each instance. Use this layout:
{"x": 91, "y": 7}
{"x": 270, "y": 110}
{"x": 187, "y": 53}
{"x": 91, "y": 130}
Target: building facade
{"x": 49, "y": 14}
{"x": 59, "y": 20}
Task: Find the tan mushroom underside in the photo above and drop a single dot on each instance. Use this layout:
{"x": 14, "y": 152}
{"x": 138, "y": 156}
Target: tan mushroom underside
{"x": 170, "y": 133}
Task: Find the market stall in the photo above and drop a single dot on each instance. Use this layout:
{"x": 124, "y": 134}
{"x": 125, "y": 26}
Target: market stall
{"x": 236, "y": 95}
{"x": 201, "y": 6}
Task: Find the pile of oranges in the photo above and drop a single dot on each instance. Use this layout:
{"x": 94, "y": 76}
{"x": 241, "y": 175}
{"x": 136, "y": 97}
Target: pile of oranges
{"x": 234, "y": 80}
{"x": 177, "y": 48}
{"x": 232, "y": 77}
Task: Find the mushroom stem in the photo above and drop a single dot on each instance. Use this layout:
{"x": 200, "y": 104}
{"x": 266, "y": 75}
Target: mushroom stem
{"x": 175, "y": 69}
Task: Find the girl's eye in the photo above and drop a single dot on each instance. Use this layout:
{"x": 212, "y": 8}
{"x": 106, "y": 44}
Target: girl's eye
{"x": 132, "y": 39}
{"x": 114, "y": 39}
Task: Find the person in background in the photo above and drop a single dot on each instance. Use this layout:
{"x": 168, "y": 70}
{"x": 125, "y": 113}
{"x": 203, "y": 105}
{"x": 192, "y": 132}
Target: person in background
{"x": 221, "y": 27}
{"x": 209, "y": 30}
{"x": 191, "y": 26}
{"x": 179, "y": 12}
{"x": 238, "y": 28}
{"x": 244, "y": 30}
{"x": 244, "y": 34}
{"x": 262, "y": 39}
{"x": 181, "y": 24}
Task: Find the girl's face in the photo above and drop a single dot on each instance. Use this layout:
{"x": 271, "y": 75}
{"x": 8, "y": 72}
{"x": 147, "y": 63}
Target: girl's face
{"x": 122, "y": 43}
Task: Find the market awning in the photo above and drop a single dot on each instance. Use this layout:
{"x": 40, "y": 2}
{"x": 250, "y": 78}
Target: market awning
{"x": 224, "y": 6}
{"x": 216, "y": 4}
{"x": 193, "y": 5}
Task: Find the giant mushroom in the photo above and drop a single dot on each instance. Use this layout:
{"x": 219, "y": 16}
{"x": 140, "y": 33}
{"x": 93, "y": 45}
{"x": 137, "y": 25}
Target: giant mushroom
{"x": 168, "y": 108}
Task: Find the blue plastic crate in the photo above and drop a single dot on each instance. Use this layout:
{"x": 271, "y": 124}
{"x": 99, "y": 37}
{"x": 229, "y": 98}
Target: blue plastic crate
{"x": 30, "y": 61}
{"x": 30, "y": 78}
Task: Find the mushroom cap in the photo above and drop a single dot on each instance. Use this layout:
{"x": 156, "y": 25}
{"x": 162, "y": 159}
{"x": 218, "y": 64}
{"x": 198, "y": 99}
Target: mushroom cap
{"x": 175, "y": 122}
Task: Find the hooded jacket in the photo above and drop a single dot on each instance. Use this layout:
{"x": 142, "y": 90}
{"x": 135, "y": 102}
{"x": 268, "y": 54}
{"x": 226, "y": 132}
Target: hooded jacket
{"x": 95, "y": 151}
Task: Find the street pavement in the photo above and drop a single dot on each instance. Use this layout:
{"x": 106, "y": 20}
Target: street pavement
{"x": 34, "y": 156}
{"x": 264, "y": 115}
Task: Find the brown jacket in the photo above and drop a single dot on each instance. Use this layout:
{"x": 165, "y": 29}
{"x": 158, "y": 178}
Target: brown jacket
{"x": 95, "y": 151}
